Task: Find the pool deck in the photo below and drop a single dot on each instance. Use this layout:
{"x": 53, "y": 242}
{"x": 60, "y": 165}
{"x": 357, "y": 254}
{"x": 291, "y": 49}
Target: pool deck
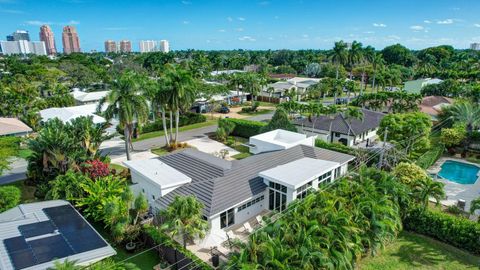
{"x": 456, "y": 191}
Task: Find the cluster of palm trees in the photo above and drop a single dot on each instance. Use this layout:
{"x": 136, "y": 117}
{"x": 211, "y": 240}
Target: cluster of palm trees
{"x": 248, "y": 82}
{"x": 396, "y": 102}
{"x": 332, "y": 228}
{"x": 173, "y": 91}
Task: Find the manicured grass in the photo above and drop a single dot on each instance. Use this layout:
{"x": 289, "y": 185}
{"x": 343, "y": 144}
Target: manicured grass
{"x": 258, "y": 112}
{"x": 118, "y": 168}
{"x": 241, "y": 156}
{"x": 24, "y": 153}
{"x": 160, "y": 151}
{"x": 27, "y": 192}
{"x": 413, "y": 251}
{"x": 184, "y": 128}
{"x": 244, "y": 150}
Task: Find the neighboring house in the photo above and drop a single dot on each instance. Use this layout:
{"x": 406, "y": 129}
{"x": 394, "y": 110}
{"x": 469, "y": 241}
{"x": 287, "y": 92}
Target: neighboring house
{"x": 202, "y": 105}
{"x": 234, "y": 191}
{"x": 338, "y": 128}
{"x": 67, "y": 114}
{"x": 278, "y": 139}
{"x": 228, "y": 72}
{"x": 82, "y": 98}
{"x": 432, "y": 105}
{"x": 35, "y": 235}
{"x": 280, "y": 89}
{"x": 283, "y": 76}
{"x": 13, "y": 127}
{"x": 415, "y": 87}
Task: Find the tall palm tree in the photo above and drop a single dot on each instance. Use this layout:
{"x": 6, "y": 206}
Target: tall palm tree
{"x": 351, "y": 113}
{"x": 426, "y": 188}
{"x": 339, "y": 55}
{"x": 474, "y": 206}
{"x": 377, "y": 62}
{"x": 184, "y": 218}
{"x": 126, "y": 103}
{"x": 467, "y": 113}
{"x": 354, "y": 56}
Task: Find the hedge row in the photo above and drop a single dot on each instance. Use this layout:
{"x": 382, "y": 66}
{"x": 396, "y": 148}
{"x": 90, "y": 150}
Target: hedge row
{"x": 164, "y": 240}
{"x": 184, "y": 120}
{"x": 431, "y": 156}
{"x": 456, "y": 231}
{"x": 338, "y": 147}
{"x": 245, "y": 128}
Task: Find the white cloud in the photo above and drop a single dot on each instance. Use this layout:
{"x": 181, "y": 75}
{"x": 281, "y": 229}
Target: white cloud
{"x": 241, "y": 18}
{"x": 305, "y": 36}
{"x": 186, "y": 22}
{"x": 246, "y": 38}
{"x": 369, "y": 32}
{"x": 73, "y": 22}
{"x": 263, "y": 3}
{"x": 185, "y": 2}
{"x": 38, "y": 23}
{"x": 380, "y": 25}
{"x": 117, "y": 28}
{"x": 447, "y": 21}
{"x": 11, "y": 11}
{"x": 276, "y": 17}
{"x": 427, "y": 21}
{"x": 417, "y": 28}
{"x": 208, "y": 41}
{"x": 239, "y": 29}
{"x": 476, "y": 24}
{"x": 222, "y": 30}
{"x": 395, "y": 37}
{"x": 230, "y": 19}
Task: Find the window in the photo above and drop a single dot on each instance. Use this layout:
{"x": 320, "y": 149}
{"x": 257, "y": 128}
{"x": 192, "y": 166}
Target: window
{"x": 277, "y": 197}
{"x": 325, "y": 177}
{"x": 227, "y": 218}
{"x": 153, "y": 197}
{"x": 304, "y": 190}
{"x": 250, "y": 203}
{"x": 337, "y": 134}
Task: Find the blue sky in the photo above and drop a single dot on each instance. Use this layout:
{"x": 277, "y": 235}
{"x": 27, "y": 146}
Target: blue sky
{"x": 246, "y": 24}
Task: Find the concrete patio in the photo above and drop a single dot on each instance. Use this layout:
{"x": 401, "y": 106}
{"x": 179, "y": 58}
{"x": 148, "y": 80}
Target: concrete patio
{"x": 210, "y": 146}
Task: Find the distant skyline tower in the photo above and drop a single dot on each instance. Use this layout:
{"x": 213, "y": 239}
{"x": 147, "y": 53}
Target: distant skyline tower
{"x": 475, "y": 46}
{"x": 46, "y": 35}
{"x": 110, "y": 46}
{"x": 164, "y": 46}
{"x": 125, "y": 46}
{"x": 19, "y": 35}
{"x": 70, "y": 40}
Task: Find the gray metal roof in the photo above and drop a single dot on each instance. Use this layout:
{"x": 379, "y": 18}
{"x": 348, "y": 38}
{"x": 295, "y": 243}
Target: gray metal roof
{"x": 220, "y": 187}
{"x": 29, "y": 213}
{"x": 340, "y": 124}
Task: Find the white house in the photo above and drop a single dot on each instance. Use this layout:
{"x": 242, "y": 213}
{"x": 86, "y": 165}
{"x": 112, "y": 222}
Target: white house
{"x": 338, "y": 128}
{"x": 232, "y": 192}
{"x": 278, "y": 139}
{"x": 82, "y": 97}
{"x": 279, "y": 89}
{"x": 416, "y": 86}
{"x": 67, "y": 114}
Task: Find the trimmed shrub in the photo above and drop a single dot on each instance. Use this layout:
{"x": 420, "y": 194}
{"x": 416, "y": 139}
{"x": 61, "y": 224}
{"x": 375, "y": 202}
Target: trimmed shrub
{"x": 279, "y": 121}
{"x": 9, "y": 197}
{"x": 185, "y": 119}
{"x": 338, "y": 147}
{"x": 430, "y": 157}
{"x": 245, "y": 128}
{"x": 456, "y": 231}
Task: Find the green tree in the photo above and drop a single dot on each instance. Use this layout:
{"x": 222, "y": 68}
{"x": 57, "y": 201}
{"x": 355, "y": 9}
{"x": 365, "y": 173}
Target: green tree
{"x": 279, "y": 121}
{"x": 398, "y": 54}
{"x": 474, "y": 206}
{"x": 183, "y": 218}
{"x": 409, "y": 173}
{"x": 126, "y": 103}
{"x": 339, "y": 56}
{"x": 9, "y": 197}
{"x": 67, "y": 187}
{"x": 426, "y": 188}
{"x": 65, "y": 265}
{"x": 468, "y": 114}
{"x": 453, "y": 136}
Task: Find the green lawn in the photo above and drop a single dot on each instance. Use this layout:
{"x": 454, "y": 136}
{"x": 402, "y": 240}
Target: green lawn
{"x": 24, "y": 153}
{"x": 118, "y": 168}
{"x": 27, "y": 192}
{"x": 413, "y": 251}
{"x": 244, "y": 150}
{"x": 258, "y": 112}
{"x": 160, "y": 151}
{"x": 184, "y": 128}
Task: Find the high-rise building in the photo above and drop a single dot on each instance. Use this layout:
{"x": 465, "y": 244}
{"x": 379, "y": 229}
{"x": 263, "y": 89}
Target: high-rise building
{"x": 23, "y": 47}
{"x": 154, "y": 46}
{"x": 46, "y": 35}
{"x": 70, "y": 40}
{"x": 110, "y": 46}
{"x": 164, "y": 46}
{"x": 19, "y": 35}
{"x": 475, "y": 46}
{"x": 125, "y": 46}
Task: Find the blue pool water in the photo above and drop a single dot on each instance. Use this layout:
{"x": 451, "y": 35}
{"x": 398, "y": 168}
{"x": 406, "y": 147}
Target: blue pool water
{"x": 459, "y": 172}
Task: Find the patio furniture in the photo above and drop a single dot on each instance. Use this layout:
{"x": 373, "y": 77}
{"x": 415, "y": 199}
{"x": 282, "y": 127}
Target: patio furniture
{"x": 260, "y": 220}
{"x": 247, "y": 227}
{"x": 230, "y": 237}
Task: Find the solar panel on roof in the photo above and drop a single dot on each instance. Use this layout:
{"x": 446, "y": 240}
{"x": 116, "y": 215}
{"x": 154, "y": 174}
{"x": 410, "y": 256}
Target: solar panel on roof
{"x": 36, "y": 229}
{"x": 50, "y": 248}
{"x": 23, "y": 259}
{"x": 16, "y": 243}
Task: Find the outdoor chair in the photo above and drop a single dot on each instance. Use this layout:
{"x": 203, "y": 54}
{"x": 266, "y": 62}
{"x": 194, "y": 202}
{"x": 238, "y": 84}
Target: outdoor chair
{"x": 230, "y": 237}
{"x": 247, "y": 227}
{"x": 259, "y": 220}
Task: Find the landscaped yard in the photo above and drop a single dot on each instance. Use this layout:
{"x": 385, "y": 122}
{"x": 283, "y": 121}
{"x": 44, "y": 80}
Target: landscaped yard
{"x": 258, "y": 112}
{"x": 413, "y": 251}
{"x": 238, "y": 145}
{"x": 27, "y": 192}
{"x": 184, "y": 128}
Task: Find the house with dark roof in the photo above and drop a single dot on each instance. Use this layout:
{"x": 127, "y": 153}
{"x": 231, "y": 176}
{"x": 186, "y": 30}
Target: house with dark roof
{"x": 339, "y": 128}
{"x": 432, "y": 105}
{"x": 233, "y": 192}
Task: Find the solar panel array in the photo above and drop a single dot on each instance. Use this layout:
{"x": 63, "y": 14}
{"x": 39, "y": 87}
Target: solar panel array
{"x": 65, "y": 234}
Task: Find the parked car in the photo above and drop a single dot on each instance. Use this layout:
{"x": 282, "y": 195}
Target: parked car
{"x": 224, "y": 109}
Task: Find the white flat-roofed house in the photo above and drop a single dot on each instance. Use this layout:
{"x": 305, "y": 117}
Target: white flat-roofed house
{"x": 278, "y": 139}
{"x": 283, "y": 89}
{"x": 67, "y": 114}
{"x": 155, "y": 178}
{"x": 82, "y": 98}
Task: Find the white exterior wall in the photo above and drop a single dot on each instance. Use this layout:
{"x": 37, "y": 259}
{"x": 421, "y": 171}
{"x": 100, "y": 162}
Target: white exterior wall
{"x": 323, "y": 134}
{"x": 23, "y": 47}
{"x": 144, "y": 185}
{"x": 263, "y": 146}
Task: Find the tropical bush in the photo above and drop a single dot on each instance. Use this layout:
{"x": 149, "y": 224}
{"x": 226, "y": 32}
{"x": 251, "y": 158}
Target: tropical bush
{"x": 95, "y": 169}
{"x": 279, "y": 121}
{"x": 453, "y": 136}
{"x": 331, "y": 228}
{"x": 67, "y": 186}
{"x": 185, "y": 119}
{"x": 429, "y": 158}
{"x": 338, "y": 147}
{"x": 409, "y": 173}
{"x": 245, "y": 128}
{"x": 456, "y": 231}
{"x": 9, "y": 146}
{"x": 9, "y": 197}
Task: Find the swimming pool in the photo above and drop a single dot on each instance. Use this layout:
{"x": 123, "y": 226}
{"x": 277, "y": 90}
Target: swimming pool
{"x": 459, "y": 172}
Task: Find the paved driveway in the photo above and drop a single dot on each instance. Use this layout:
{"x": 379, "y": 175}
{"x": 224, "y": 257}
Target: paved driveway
{"x": 17, "y": 172}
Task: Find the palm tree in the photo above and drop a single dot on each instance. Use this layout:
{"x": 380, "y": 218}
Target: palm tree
{"x": 339, "y": 55}
{"x": 127, "y": 103}
{"x": 65, "y": 265}
{"x": 467, "y": 113}
{"x": 184, "y": 218}
{"x": 354, "y": 56}
{"x": 178, "y": 85}
{"x": 426, "y": 188}
{"x": 474, "y": 206}
{"x": 352, "y": 113}
{"x": 377, "y": 62}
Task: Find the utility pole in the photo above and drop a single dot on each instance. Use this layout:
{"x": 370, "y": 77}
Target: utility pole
{"x": 382, "y": 153}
